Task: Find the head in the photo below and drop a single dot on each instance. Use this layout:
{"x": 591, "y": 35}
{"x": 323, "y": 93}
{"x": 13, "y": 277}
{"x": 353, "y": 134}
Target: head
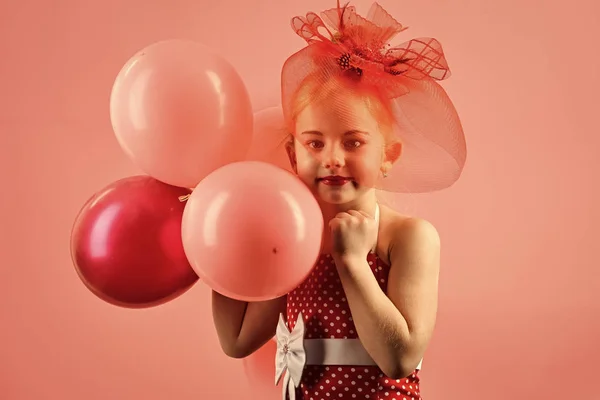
{"x": 343, "y": 138}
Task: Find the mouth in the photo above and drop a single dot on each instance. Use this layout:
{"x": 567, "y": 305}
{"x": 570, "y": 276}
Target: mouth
{"x": 334, "y": 180}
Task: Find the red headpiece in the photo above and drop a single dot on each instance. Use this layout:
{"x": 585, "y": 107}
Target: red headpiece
{"x": 427, "y": 124}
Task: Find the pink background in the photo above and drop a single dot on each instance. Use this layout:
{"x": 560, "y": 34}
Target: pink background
{"x": 519, "y": 300}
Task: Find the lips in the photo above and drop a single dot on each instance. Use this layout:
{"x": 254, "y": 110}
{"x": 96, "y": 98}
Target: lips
{"x": 334, "y": 180}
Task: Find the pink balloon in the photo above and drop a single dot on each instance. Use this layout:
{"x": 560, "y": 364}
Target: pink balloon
{"x": 181, "y": 111}
{"x": 252, "y": 231}
{"x": 269, "y": 127}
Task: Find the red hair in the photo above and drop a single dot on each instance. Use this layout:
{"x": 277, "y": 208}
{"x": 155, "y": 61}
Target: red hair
{"x": 314, "y": 89}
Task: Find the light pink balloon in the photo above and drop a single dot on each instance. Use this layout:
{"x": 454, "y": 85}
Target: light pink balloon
{"x": 181, "y": 111}
{"x": 252, "y": 231}
{"x": 269, "y": 128}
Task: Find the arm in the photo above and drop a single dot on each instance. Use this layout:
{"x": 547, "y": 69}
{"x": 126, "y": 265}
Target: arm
{"x": 245, "y": 327}
{"x": 396, "y": 329}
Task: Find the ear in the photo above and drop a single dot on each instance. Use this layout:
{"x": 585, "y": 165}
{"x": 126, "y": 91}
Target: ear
{"x": 393, "y": 151}
{"x": 291, "y": 152}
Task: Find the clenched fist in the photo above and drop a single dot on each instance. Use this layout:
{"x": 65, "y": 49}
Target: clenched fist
{"x": 354, "y": 234}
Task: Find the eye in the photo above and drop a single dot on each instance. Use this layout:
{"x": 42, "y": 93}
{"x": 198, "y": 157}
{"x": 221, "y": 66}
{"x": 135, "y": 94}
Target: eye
{"x": 353, "y": 144}
{"x": 314, "y": 144}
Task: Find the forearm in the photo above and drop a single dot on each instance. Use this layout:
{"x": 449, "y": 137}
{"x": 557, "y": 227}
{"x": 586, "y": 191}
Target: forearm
{"x": 228, "y": 317}
{"x": 244, "y": 327}
{"x": 381, "y": 328}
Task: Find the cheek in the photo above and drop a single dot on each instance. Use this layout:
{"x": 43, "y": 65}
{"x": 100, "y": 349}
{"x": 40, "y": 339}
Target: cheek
{"x": 305, "y": 163}
{"x": 366, "y": 162}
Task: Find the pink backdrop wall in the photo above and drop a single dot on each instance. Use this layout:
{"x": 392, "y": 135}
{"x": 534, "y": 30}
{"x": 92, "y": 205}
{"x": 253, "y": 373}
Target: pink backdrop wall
{"x": 519, "y": 299}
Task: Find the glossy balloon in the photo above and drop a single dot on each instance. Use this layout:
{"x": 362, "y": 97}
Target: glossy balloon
{"x": 252, "y": 231}
{"x": 180, "y": 110}
{"x": 126, "y": 243}
{"x": 269, "y": 127}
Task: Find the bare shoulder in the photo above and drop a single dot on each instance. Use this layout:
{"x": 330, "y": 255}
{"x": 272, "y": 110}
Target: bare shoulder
{"x": 414, "y": 255}
{"x": 407, "y": 237}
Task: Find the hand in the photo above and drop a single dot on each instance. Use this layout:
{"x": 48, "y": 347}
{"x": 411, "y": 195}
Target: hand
{"x": 353, "y": 233}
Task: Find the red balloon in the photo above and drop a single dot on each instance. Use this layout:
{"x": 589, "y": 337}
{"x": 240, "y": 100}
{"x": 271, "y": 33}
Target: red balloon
{"x": 126, "y": 243}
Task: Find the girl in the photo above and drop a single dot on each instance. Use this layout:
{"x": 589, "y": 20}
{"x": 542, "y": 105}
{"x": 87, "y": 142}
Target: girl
{"x": 364, "y": 116}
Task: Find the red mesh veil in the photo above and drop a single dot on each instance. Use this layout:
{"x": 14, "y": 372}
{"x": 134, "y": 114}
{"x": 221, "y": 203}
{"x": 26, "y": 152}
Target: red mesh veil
{"x": 357, "y": 48}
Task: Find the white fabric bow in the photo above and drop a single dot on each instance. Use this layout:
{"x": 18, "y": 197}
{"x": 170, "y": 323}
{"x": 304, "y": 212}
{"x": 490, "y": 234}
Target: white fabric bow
{"x": 290, "y": 356}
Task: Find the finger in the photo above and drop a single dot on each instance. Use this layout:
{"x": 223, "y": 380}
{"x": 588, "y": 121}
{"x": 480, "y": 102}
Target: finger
{"x": 361, "y": 215}
{"x": 335, "y": 222}
{"x": 342, "y": 215}
{"x": 365, "y": 214}
{"x": 356, "y": 214}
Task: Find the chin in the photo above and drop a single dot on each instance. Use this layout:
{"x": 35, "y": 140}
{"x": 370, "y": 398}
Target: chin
{"x": 336, "y": 197}
{"x": 335, "y": 200}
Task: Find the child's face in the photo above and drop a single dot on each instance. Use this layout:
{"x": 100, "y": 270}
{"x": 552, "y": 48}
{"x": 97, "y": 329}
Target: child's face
{"x": 339, "y": 149}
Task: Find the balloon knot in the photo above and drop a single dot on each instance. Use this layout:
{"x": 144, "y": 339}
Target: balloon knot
{"x": 184, "y": 198}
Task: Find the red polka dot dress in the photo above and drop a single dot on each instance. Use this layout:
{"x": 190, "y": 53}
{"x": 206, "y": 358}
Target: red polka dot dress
{"x": 322, "y": 302}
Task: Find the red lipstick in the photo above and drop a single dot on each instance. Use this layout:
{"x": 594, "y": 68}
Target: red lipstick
{"x": 334, "y": 180}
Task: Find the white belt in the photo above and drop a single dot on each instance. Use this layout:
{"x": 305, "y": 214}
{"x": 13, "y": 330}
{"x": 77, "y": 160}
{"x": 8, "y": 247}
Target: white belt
{"x": 294, "y": 352}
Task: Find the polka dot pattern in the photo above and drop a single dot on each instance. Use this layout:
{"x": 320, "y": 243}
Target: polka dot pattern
{"x": 322, "y": 301}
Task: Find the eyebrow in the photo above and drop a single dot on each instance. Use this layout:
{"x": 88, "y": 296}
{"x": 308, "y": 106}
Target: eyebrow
{"x": 350, "y": 132}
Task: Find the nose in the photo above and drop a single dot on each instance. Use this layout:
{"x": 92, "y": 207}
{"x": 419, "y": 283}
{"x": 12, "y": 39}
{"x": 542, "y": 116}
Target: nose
{"x": 333, "y": 159}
